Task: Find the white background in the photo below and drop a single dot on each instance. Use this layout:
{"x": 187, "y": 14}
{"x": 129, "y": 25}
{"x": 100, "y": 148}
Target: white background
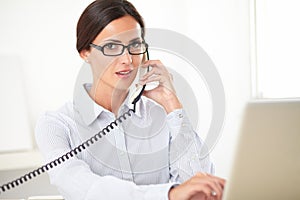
{"x": 41, "y": 34}
{"x": 278, "y": 43}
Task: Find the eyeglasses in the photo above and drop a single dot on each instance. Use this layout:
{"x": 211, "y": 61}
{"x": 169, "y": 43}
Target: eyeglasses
{"x": 115, "y": 49}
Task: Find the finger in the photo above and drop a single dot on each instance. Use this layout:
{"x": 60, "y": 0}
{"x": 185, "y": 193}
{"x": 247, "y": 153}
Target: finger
{"x": 158, "y": 81}
{"x": 154, "y": 63}
{"x": 206, "y": 188}
{"x": 153, "y": 78}
{"x": 214, "y": 189}
{"x": 199, "y": 196}
{"x": 201, "y": 174}
{"x": 200, "y": 188}
{"x": 150, "y": 73}
{"x": 165, "y": 75}
{"x": 217, "y": 193}
{"x": 221, "y": 181}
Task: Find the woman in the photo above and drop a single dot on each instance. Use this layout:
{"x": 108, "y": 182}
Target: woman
{"x": 154, "y": 154}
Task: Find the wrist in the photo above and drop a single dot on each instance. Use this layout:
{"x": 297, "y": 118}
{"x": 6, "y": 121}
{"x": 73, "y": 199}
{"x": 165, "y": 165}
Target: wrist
{"x": 171, "y": 103}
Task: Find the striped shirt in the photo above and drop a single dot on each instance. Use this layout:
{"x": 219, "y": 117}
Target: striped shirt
{"x": 140, "y": 158}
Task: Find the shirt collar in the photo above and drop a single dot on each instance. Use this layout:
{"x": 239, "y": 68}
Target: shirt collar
{"x": 89, "y": 110}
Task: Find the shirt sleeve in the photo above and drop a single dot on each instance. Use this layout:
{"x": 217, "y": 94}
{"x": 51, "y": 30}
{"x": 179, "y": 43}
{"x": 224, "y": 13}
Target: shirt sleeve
{"x": 74, "y": 178}
{"x": 188, "y": 153}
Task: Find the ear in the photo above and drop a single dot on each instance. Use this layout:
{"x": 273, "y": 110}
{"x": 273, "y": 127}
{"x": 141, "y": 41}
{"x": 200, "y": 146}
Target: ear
{"x": 84, "y": 54}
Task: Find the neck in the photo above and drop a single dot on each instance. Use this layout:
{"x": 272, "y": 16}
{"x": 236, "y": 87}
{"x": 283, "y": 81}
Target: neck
{"x": 108, "y": 97}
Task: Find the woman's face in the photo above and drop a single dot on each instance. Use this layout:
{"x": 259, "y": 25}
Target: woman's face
{"x": 116, "y": 72}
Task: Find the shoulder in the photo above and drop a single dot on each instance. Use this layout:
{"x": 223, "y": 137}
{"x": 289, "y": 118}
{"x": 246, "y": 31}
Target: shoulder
{"x": 53, "y": 129}
{"x": 62, "y": 117}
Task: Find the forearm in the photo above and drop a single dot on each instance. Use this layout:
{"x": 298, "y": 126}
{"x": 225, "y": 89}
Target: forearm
{"x": 188, "y": 154}
{"x": 171, "y": 102}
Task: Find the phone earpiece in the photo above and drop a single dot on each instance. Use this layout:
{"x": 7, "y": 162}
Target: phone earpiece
{"x": 137, "y": 92}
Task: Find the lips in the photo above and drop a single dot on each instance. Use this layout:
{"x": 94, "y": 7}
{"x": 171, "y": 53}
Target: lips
{"x": 123, "y": 73}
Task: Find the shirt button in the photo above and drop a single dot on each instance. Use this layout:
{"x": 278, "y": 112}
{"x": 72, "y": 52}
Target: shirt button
{"x": 122, "y": 153}
{"x": 180, "y": 115}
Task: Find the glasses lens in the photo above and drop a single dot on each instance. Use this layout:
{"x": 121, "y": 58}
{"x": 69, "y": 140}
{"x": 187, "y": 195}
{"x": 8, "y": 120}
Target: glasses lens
{"x": 112, "y": 49}
{"x": 137, "y": 48}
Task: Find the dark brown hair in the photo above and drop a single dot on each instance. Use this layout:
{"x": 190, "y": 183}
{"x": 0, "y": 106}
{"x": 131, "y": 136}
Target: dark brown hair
{"x": 99, "y": 14}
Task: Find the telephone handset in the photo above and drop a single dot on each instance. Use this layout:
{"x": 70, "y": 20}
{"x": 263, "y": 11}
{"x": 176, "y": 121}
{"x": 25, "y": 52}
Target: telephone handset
{"x": 134, "y": 99}
{"x": 138, "y": 91}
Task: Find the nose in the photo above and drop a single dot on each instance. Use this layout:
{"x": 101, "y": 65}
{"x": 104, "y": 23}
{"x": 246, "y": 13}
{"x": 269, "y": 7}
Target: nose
{"x": 126, "y": 58}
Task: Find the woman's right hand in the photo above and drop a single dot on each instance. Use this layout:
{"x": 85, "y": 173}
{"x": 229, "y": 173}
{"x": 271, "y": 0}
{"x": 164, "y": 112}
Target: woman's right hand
{"x": 202, "y": 186}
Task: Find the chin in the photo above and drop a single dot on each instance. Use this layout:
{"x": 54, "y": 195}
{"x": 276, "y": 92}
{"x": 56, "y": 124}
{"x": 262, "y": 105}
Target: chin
{"x": 123, "y": 85}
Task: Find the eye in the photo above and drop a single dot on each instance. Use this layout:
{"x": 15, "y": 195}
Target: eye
{"x": 136, "y": 44}
{"x": 111, "y": 46}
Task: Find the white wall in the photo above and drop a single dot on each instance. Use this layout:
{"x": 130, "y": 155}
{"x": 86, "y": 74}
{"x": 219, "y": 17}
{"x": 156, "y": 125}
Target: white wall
{"x": 221, "y": 28}
{"x": 42, "y": 35}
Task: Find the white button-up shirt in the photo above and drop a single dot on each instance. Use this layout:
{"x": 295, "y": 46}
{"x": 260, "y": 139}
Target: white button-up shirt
{"x": 141, "y": 158}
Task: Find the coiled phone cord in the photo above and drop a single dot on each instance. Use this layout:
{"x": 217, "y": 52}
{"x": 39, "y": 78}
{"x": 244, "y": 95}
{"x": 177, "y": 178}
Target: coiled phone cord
{"x": 69, "y": 154}
{"x": 77, "y": 149}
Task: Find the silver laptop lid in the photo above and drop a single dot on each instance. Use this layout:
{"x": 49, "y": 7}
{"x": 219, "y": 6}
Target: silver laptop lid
{"x": 267, "y": 160}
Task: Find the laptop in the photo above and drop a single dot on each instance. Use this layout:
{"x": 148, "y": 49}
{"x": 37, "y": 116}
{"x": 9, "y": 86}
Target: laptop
{"x": 267, "y": 161}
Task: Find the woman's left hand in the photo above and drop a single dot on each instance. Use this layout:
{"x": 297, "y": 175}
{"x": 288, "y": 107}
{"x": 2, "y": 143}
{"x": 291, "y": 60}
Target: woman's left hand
{"x": 164, "y": 93}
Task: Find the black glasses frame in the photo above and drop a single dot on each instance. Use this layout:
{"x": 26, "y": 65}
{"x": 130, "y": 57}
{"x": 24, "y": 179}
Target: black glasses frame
{"x": 101, "y": 48}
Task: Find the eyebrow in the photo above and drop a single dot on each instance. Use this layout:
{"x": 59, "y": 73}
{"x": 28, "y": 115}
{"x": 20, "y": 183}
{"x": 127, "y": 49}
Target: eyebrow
{"x": 118, "y": 41}
{"x": 135, "y": 39}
